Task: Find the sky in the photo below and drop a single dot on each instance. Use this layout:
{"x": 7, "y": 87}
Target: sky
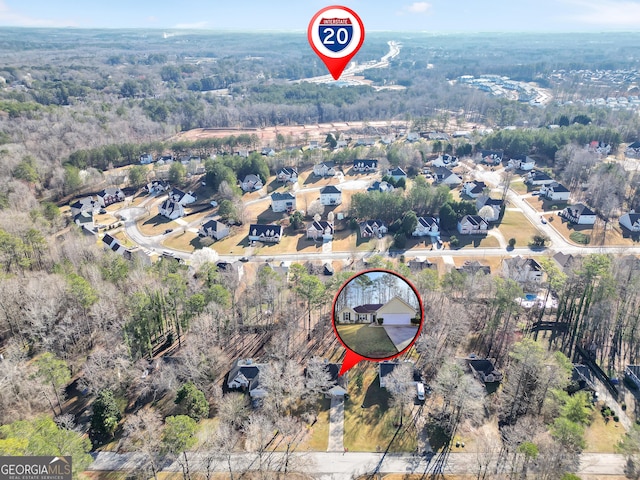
{"x": 436, "y": 16}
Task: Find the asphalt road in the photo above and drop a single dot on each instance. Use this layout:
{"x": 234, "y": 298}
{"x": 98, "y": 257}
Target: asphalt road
{"x": 339, "y": 465}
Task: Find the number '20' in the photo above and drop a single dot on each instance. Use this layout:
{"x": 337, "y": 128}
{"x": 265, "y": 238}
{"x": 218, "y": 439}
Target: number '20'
{"x": 342, "y": 35}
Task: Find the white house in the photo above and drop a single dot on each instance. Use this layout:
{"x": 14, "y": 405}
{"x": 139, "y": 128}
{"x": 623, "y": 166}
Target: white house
{"x": 320, "y": 229}
{"x": 601, "y": 148}
{"x": 251, "y": 183}
{"x": 84, "y": 219}
{"x": 265, "y": 233}
{"x": 86, "y": 204}
{"x": 330, "y": 195}
{"x": 213, "y": 229}
{"x": 491, "y": 157}
{"x": 372, "y": 228}
{"x": 427, "y": 226}
{"x": 395, "y": 312}
{"x": 538, "y": 178}
{"x": 287, "y": 174}
{"x": 146, "y": 159}
{"x": 109, "y": 196}
{"x": 446, "y": 161}
{"x": 555, "y": 191}
{"x": 495, "y": 204}
{"x": 365, "y": 165}
{"x": 579, "y": 214}
{"x": 633, "y": 150}
{"x": 631, "y": 221}
{"x": 380, "y": 187}
{"x": 183, "y": 198}
{"x": 113, "y": 244}
{"x": 325, "y": 169}
{"x": 157, "y": 186}
{"x": 473, "y": 189}
{"x": 171, "y": 209}
{"x": 522, "y": 270}
{"x": 283, "y": 202}
{"x": 397, "y": 173}
{"x": 472, "y": 225}
{"x": 445, "y": 176}
{"x": 522, "y": 162}
{"x": 413, "y": 137}
{"x": 245, "y": 375}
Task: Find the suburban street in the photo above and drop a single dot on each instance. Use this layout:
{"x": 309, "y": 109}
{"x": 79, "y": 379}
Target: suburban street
{"x": 341, "y": 465}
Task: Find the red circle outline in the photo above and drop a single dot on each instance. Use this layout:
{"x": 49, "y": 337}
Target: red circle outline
{"x": 405, "y": 349}
{"x": 320, "y": 12}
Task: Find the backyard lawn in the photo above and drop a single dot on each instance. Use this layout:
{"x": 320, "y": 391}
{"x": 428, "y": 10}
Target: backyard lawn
{"x": 155, "y": 225}
{"x": 518, "y": 187}
{"x": 366, "y": 340}
{"x": 369, "y": 420}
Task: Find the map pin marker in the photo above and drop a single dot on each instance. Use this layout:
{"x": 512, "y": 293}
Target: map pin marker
{"x": 336, "y": 34}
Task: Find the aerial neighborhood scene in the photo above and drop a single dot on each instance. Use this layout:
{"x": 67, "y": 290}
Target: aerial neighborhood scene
{"x": 223, "y": 259}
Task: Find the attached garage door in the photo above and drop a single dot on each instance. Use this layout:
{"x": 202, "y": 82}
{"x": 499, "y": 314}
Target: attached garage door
{"x": 396, "y": 319}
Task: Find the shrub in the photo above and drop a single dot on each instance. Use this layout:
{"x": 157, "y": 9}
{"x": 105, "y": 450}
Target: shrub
{"x": 512, "y": 242}
{"x": 453, "y": 241}
{"x": 579, "y": 237}
{"x": 415, "y": 321}
{"x": 616, "y": 418}
{"x": 380, "y": 320}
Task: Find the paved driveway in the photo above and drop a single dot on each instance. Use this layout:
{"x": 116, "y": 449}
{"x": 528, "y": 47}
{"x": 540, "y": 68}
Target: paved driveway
{"x": 401, "y": 335}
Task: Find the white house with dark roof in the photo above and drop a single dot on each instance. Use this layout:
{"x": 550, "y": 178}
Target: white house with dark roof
{"x": 579, "y": 214}
{"x": 251, "y": 183}
{"x": 427, "y": 226}
{"x": 495, "y": 204}
{"x": 214, "y": 229}
{"x": 171, "y": 209}
{"x": 473, "y": 189}
{"x": 181, "y": 197}
{"x": 522, "y": 162}
{"x": 445, "y": 176}
{"x": 472, "y": 225}
{"x": 555, "y": 191}
{"x": 330, "y": 195}
{"x": 446, "y": 161}
{"x": 245, "y": 375}
{"x": 109, "y": 196}
{"x": 283, "y": 202}
{"x": 84, "y": 219}
{"x": 380, "y": 187}
{"x": 113, "y": 244}
{"x": 265, "y": 233}
{"x": 320, "y": 229}
{"x": 397, "y": 173}
{"x": 631, "y": 221}
{"x": 158, "y": 186}
{"x": 324, "y": 169}
{"x": 522, "y": 270}
{"x": 491, "y": 157}
{"x": 365, "y": 165}
{"x": 146, "y": 159}
{"x": 373, "y": 228}
{"x": 287, "y": 174}
{"x": 395, "y": 312}
{"x": 633, "y": 150}
{"x": 538, "y": 178}
{"x": 86, "y": 204}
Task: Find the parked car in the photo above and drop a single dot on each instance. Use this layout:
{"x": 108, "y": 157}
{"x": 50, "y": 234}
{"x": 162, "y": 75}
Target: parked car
{"x": 244, "y": 259}
{"x": 102, "y": 211}
{"x": 535, "y": 193}
{"x": 544, "y": 222}
{"x": 420, "y": 390}
{"x": 168, "y": 230}
{"x": 214, "y": 203}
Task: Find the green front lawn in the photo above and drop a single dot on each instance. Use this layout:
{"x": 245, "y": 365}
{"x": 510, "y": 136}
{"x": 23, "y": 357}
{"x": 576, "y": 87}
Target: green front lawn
{"x": 366, "y": 340}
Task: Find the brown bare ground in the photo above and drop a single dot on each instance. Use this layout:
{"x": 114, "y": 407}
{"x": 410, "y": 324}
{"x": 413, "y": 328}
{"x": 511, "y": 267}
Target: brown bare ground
{"x": 298, "y": 132}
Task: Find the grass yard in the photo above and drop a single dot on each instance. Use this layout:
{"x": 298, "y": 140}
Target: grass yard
{"x": 542, "y": 205}
{"x": 366, "y": 340}
{"x": 318, "y": 438}
{"x": 184, "y": 241}
{"x": 566, "y": 229}
{"x": 368, "y": 418}
{"x": 519, "y": 187}
{"x": 123, "y": 238}
{"x": 348, "y": 240}
{"x": 603, "y": 437}
{"x": 235, "y": 243}
{"x": 475, "y": 241}
{"x": 155, "y": 225}
{"x": 515, "y": 225}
